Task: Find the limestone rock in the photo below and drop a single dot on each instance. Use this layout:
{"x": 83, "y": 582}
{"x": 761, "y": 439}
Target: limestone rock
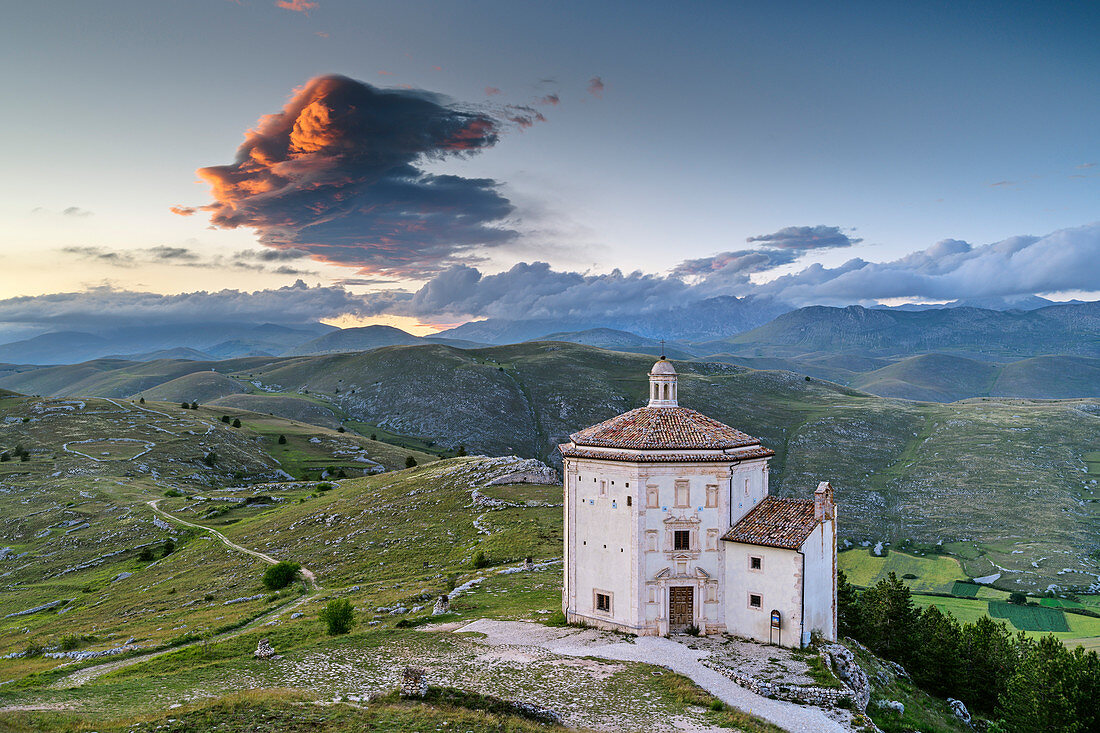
{"x": 896, "y": 705}
{"x": 958, "y": 707}
{"x": 442, "y": 605}
{"x": 846, "y": 668}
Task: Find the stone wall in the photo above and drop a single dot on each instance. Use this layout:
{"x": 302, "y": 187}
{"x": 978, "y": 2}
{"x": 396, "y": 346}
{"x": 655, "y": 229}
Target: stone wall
{"x": 804, "y": 695}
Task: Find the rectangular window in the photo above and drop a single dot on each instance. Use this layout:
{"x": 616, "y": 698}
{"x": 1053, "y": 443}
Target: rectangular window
{"x": 746, "y": 487}
{"x": 755, "y": 601}
{"x": 652, "y": 497}
{"x": 712, "y": 496}
{"x": 756, "y": 563}
{"x": 712, "y": 539}
{"x": 629, "y": 501}
{"x": 712, "y": 593}
{"x": 683, "y": 494}
{"x": 603, "y": 602}
{"x": 681, "y": 539}
{"x": 603, "y": 488}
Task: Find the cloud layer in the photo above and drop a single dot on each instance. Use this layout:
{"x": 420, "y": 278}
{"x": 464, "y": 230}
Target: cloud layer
{"x": 1065, "y": 260}
{"x": 104, "y": 308}
{"x": 337, "y": 174}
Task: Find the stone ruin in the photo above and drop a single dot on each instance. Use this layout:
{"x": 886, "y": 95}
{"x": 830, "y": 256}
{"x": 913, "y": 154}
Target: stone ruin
{"x": 414, "y": 682}
{"x": 442, "y": 605}
{"x": 263, "y": 650}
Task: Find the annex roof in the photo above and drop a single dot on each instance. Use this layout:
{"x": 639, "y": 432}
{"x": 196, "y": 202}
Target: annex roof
{"x": 775, "y": 522}
{"x": 662, "y": 428}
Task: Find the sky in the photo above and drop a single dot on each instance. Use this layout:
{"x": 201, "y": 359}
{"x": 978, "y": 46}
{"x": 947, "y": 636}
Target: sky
{"x": 422, "y": 164}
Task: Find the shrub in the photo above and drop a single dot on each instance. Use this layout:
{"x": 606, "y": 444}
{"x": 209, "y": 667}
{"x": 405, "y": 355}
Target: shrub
{"x": 479, "y": 560}
{"x": 236, "y": 422}
{"x": 194, "y": 405}
{"x": 141, "y": 400}
{"x": 324, "y": 487}
{"x": 210, "y": 459}
{"x": 173, "y": 493}
{"x": 33, "y": 649}
{"x": 373, "y": 436}
{"x": 146, "y": 554}
{"x": 185, "y": 405}
{"x": 461, "y": 450}
{"x": 410, "y": 462}
{"x": 281, "y": 574}
{"x": 341, "y": 429}
{"x": 169, "y": 546}
{"x": 5, "y": 456}
{"x": 282, "y": 440}
{"x": 1018, "y": 598}
{"x": 692, "y": 630}
{"x": 338, "y": 615}
{"x": 225, "y": 419}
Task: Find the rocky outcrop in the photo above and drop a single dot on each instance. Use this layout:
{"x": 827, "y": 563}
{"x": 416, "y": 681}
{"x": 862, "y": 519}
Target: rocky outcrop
{"x": 843, "y": 664}
{"x": 528, "y": 471}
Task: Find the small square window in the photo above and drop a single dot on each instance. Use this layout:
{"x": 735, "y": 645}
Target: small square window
{"x": 603, "y": 602}
{"x": 756, "y": 563}
{"x": 628, "y": 501}
{"x": 681, "y": 539}
{"x": 755, "y": 601}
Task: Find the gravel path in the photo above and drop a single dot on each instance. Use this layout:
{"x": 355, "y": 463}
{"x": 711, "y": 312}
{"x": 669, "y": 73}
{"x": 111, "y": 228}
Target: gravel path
{"x": 655, "y": 650}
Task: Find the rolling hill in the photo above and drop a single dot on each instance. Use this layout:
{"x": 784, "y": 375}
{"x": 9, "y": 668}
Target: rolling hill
{"x": 366, "y": 338}
{"x": 614, "y": 340}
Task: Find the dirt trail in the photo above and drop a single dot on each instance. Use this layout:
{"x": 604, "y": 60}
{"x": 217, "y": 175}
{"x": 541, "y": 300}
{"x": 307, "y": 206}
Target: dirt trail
{"x": 306, "y": 573}
{"x": 83, "y": 676}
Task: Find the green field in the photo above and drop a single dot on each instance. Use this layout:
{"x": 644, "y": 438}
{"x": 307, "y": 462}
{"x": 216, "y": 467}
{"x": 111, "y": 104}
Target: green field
{"x": 934, "y": 573}
{"x": 965, "y": 590}
{"x": 1030, "y": 618}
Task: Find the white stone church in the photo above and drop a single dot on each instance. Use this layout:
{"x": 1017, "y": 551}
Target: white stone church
{"x": 668, "y": 525}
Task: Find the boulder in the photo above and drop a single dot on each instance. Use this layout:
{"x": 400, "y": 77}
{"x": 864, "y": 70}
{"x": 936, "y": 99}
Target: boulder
{"x": 896, "y": 705}
{"x": 442, "y": 605}
{"x": 958, "y": 707}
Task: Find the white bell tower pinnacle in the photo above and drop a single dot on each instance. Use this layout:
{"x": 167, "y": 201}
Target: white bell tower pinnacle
{"x": 662, "y": 384}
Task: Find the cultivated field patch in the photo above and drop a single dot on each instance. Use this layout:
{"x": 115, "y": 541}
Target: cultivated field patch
{"x": 1029, "y": 618}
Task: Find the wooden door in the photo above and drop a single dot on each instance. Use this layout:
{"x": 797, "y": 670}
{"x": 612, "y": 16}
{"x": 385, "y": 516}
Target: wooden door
{"x": 681, "y": 607}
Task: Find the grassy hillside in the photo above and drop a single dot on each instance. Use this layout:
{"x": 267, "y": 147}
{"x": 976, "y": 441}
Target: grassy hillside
{"x": 930, "y": 377}
{"x": 926, "y": 472}
{"x": 197, "y": 386}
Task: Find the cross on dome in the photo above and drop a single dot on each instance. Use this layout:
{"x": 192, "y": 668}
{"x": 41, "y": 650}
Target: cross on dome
{"x": 662, "y": 384}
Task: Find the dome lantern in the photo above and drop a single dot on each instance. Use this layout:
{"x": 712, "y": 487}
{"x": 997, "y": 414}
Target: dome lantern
{"x": 662, "y": 384}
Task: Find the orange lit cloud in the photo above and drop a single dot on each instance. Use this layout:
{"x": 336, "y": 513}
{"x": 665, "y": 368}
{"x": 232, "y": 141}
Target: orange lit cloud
{"x": 596, "y": 86}
{"x": 336, "y": 175}
{"x": 298, "y": 6}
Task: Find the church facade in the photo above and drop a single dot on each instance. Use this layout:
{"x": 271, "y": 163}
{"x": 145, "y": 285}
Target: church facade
{"x": 669, "y": 527}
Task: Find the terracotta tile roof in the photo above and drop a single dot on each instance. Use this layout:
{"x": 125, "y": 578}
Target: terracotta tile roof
{"x": 775, "y": 522}
{"x": 571, "y": 450}
{"x": 662, "y": 428}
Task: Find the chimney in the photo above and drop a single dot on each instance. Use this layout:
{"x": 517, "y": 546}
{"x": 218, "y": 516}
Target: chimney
{"x": 823, "y": 502}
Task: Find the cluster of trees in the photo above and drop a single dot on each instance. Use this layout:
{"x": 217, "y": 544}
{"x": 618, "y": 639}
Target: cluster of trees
{"x": 19, "y": 452}
{"x": 1021, "y": 683}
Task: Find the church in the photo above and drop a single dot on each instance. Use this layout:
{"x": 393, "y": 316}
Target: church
{"x": 669, "y": 528}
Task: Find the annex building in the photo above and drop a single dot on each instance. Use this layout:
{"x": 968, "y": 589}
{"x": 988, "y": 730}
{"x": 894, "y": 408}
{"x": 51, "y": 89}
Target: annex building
{"x": 669, "y": 525}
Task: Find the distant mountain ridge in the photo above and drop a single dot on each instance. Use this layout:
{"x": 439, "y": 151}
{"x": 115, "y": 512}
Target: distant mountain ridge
{"x": 1058, "y": 329}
